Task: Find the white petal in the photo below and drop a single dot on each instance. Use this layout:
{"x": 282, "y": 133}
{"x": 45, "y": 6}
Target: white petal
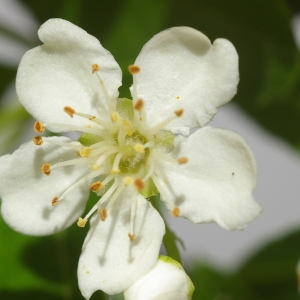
{"x": 109, "y": 261}
{"x": 27, "y": 193}
{"x": 216, "y": 183}
{"x": 59, "y": 74}
{"x": 166, "y": 281}
{"x": 181, "y": 69}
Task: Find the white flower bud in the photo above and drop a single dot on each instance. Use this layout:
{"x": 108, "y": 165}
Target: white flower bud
{"x": 167, "y": 280}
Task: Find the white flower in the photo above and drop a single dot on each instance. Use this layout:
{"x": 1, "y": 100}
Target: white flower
{"x": 167, "y": 280}
{"x": 127, "y": 149}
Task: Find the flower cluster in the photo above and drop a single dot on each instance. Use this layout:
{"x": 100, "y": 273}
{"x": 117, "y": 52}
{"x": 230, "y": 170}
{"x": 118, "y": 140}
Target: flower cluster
{"x": 128, "y": 150}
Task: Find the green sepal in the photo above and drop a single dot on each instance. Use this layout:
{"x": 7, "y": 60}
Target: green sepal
{"x": 125, "y": 108}
{"x": 88, "y": 139}
{"x": 150, "y": 189}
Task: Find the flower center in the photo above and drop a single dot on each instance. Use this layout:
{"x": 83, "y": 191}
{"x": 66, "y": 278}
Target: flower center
{"x": 120, "y": 152}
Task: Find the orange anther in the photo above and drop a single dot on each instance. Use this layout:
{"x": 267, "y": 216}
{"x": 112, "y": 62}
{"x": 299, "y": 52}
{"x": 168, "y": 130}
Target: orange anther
{"x": 103, "y": 214}
{"x": 55, "y": 201}
{"x": 38, "y": 127}
{"x": 182, "y": 160}
{"x": 69, "y": 110}
{"x": 131, "y": 236}
{"x": 38, "y": 140}
{"x": 175, "y": 212}
{"x": 133, "y": 69}
{"x": 95, "y": 68}
{"x": 46, "y": 168}
{"x": 139, "y": 105}
{"x": 178, "y": 112}
{"x": 139, "y": 184}
{"x": 96, "y": 186}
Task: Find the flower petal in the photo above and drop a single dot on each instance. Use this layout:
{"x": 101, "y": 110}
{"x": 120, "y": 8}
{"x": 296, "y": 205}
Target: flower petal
{"x": 167, "y": 280}
{"x": 27, "y": 193}
{"x": 180, "y": 69}
{"x": 59, "y": 74}
{"x": 216, "y": 183}
{"x": 109, "y": 260}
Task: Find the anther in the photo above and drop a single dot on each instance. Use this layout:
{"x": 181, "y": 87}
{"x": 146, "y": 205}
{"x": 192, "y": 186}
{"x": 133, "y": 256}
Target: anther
{"x": 139, "y": 148}
{"x": 115, "y": 117}
{"x": 38, "y": 127}
{"x": 96, "y": 186}
{"x": 133, "y": 69}
{"x": 139, "y": 184}
{"x": 95, "y": 68}
{"x": 38, "y": 140}
{"x": 85, "y": 152}
{"x": 81, "y": 222}
{"x": 128, "y": 180}
{"x": 175, "y": 212}
{"x": 46, "y": 169}
{"x": 178, "y": 112}
{"x": 139, "y": 105}
{"x": 131, "y": 236}
{"x": 103, "y": 214}
{"x": 55, "y": 201}
{"x": 69, "y": 110}
{"x": 182, "y": 160}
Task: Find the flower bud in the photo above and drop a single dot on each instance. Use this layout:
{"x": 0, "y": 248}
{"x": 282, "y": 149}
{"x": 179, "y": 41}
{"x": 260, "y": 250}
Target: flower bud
{"x": 167, "y": 280}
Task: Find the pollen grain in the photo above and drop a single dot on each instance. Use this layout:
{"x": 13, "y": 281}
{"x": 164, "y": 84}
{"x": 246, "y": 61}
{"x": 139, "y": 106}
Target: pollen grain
{"x": 131, "y": 236}
{"x": 139, "y": 105}
{"x": 182, "y": 160}
{"x": 178, "y": 112}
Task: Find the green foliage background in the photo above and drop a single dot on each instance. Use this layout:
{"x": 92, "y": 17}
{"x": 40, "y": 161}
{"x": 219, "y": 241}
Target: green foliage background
{"x": 269, "y": 90}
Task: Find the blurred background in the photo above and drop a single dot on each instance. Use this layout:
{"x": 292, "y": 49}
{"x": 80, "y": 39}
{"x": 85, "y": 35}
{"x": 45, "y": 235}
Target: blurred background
{"x": 258, "y": 263}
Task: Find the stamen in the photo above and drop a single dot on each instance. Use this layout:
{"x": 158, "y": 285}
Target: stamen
{"x": 96, "y": 186}
{"x": 131, "y": 237}
{"x": 182, "y": 160}
{"x": 115, "y": 117}
{"x": 109, "y": 101}
{"x": 103, "y": 157}
{"x": 70, "y": 162}
{"x": 69, "y": 110}
{"x": 139, "y": 148}
{"x": 46, "y": 169}
{"x": 175, "y": 212}
{"x": 38, "y": 140}
{"x": 65, "y": 144}
{"x": 95, "y": 131}
{"x": 85, "y": 152}
{"x": 110, "y": 191}
{"x": 93, "y": 119}
{"x": 55, "y": 201}
{"x": 82, "y": 180}
{"x": 131, "y": 234}
{"x": 178, "y": 113}
{"x": 139, "y": 184}
{"x": 139, "y": 105}
{"x": 115, "y": 168}
{"x": 133, "y": 69}
{"x": 39, "y": 127}
{"x": 103, "y": 214}
{"x": 95, "y": 68}
{"x": 81, "y": 222}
